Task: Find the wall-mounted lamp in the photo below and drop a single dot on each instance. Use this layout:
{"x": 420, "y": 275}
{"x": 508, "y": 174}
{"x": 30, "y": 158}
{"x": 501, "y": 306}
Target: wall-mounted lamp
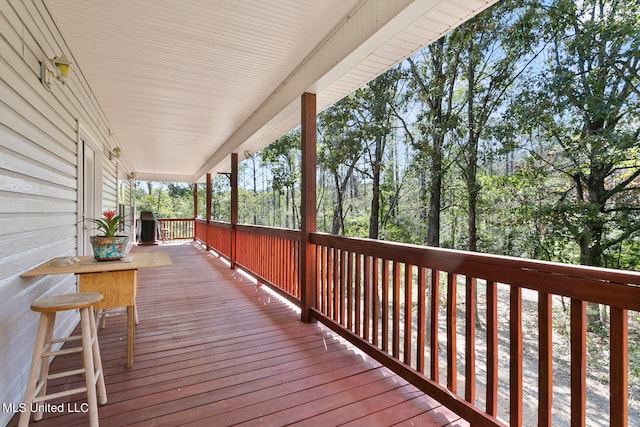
{"x": 62, "y": 70}
{"x": 115, "y": 153}
{"x": 131, "y": 176}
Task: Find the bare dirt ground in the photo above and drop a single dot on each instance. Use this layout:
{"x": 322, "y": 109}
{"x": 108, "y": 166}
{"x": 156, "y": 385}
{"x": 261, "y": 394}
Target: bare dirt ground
{"x": 597, "y": 358}
{"x": 597, "y": 361}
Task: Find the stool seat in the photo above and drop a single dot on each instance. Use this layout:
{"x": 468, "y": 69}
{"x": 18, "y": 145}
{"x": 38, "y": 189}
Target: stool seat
{"x": 91, "y": 365}
{"x": 66, "y": 302}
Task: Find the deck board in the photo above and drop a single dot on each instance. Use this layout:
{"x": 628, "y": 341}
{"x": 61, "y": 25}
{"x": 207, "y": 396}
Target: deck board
{"x": 212, "y": 348}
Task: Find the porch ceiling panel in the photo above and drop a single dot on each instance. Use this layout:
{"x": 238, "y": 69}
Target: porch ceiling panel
{"x": 185, "y": 83}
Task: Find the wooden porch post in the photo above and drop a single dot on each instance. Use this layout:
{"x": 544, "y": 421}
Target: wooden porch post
{"x": 308, "y": 206}
{"x": 208, "y": 213}
{"x": 195, "y": 208}
{"x": 195, "y": 200}
{"x": 208, "y": 198}
{"x": 234, "y": 206}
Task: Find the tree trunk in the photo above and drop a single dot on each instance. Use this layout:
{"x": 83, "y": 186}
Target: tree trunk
{"x": 337, "y": 224}
{"x": 255, "y": 189}
{"x": 591, "y": 252}
{"x": 435, "y": 195}
{"x": 374, "y": 216}
{"x": 472, "y": 192}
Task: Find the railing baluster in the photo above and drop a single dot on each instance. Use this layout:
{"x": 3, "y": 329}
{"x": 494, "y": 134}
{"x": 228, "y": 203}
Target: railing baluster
{"x": 422, "y": 304}
{"x": 545, "y": 360}
{"x": 492, "y": 348}
{"x": 288, "y": 284}
{"x": 321, "y": 276}
{"x": 358, "y": 294}
{"x": 367, "y": 297}
{"x": 269, "y": 251}
{"x": 342, "y": 282}
{"x": 336, "y": 284}
{"x": 286, "y": 265}
{"x": 350, "y": 296}
{"x": 267, "y": 270}
{"x": 452, "y": 368}
{"x": 269, "y": 260}
{"x": 255, "y": 253}
{"x": 470, "y": 340}
{"x": 277, "y": 261}
{"x": 326, "y": 300}
{"x": 375, "y": 298}
{"x": 578, "y": 362}
{"x": 295, "y": 258}
{"x": 278, "y": 264}
{"x": 434, "y": 323}
{"x": 619, "y": 353}
{"x": 385, "y": 305}
{"x": 515, "y": 355}
{"x": 395, "y": 328}
{"x": 318, "y": 292}
{"x": 266, "y": 264}
{"x": 408, "y": 312}
{"x": 326, "y": 272}
{"x": 292, "y": 261}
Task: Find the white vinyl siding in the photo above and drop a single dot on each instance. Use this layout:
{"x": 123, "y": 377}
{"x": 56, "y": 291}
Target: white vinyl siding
{"x": 38, "y": 180}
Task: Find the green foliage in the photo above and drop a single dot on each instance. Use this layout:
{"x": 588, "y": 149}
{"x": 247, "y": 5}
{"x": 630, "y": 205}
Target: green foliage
{"x": 110, "y": 224}
{"x": 282, "y": 159}
{"x": 220, "y": 198}
{"x": 165, "y": 200}
{"x": 586, "y": 109}
{"x": 531, "y": 111}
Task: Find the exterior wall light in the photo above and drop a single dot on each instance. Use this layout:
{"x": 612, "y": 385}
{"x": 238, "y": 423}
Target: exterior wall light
{"x": 115, "y": 153}
{"x": 62, "y": 70}
{"x": 63, "y": 67}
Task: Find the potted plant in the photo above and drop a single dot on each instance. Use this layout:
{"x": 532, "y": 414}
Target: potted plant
{"x": 109, "y": 246}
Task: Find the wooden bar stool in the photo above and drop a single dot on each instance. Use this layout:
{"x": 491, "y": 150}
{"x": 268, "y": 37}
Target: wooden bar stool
{"x": 42, "y": 353}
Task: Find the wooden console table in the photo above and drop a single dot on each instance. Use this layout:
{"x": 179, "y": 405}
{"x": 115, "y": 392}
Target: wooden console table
{"x": 117, "y": 281}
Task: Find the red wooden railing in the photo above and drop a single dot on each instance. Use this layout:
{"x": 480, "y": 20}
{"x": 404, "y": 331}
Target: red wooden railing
{"x": 201, "y": 230}
{"x": 176, "y": 228}
{"x": 374, "y": 293}
{"x": 272, "y": 256}
{"x": 217, "y": 236}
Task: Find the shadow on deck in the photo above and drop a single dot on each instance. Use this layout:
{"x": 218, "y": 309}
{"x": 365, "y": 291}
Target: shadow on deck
{"x": 213, "y": 349}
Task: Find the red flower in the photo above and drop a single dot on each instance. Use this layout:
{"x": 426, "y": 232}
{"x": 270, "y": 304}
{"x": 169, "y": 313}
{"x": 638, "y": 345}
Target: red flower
{"x": 110, "y": 224}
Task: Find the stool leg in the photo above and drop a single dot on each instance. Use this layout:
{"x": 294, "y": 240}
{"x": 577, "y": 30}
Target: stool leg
{"x": 44, "y": 363}
{"x": 100, "y": 315}
{"x": 97, "y": 360}
{"x": 89, "y": 374}
{"x": 43, "y": 327}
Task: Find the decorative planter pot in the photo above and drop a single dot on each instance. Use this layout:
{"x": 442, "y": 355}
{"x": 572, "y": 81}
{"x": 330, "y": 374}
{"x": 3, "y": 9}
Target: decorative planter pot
{"x": 109, "y": 248}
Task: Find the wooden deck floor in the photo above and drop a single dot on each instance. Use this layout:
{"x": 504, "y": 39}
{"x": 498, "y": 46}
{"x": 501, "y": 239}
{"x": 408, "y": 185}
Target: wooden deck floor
{"x": 212, "y": 349}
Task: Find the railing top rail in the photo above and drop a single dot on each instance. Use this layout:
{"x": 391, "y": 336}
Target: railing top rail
{"x": 286, "y": 233}
{"x": 617, "y": 288}
{"x": 220, "y": 224}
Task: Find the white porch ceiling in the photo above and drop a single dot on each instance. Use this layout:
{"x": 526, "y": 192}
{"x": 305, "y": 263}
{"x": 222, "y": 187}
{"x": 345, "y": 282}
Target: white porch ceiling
{"x": 184, "y": 83}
